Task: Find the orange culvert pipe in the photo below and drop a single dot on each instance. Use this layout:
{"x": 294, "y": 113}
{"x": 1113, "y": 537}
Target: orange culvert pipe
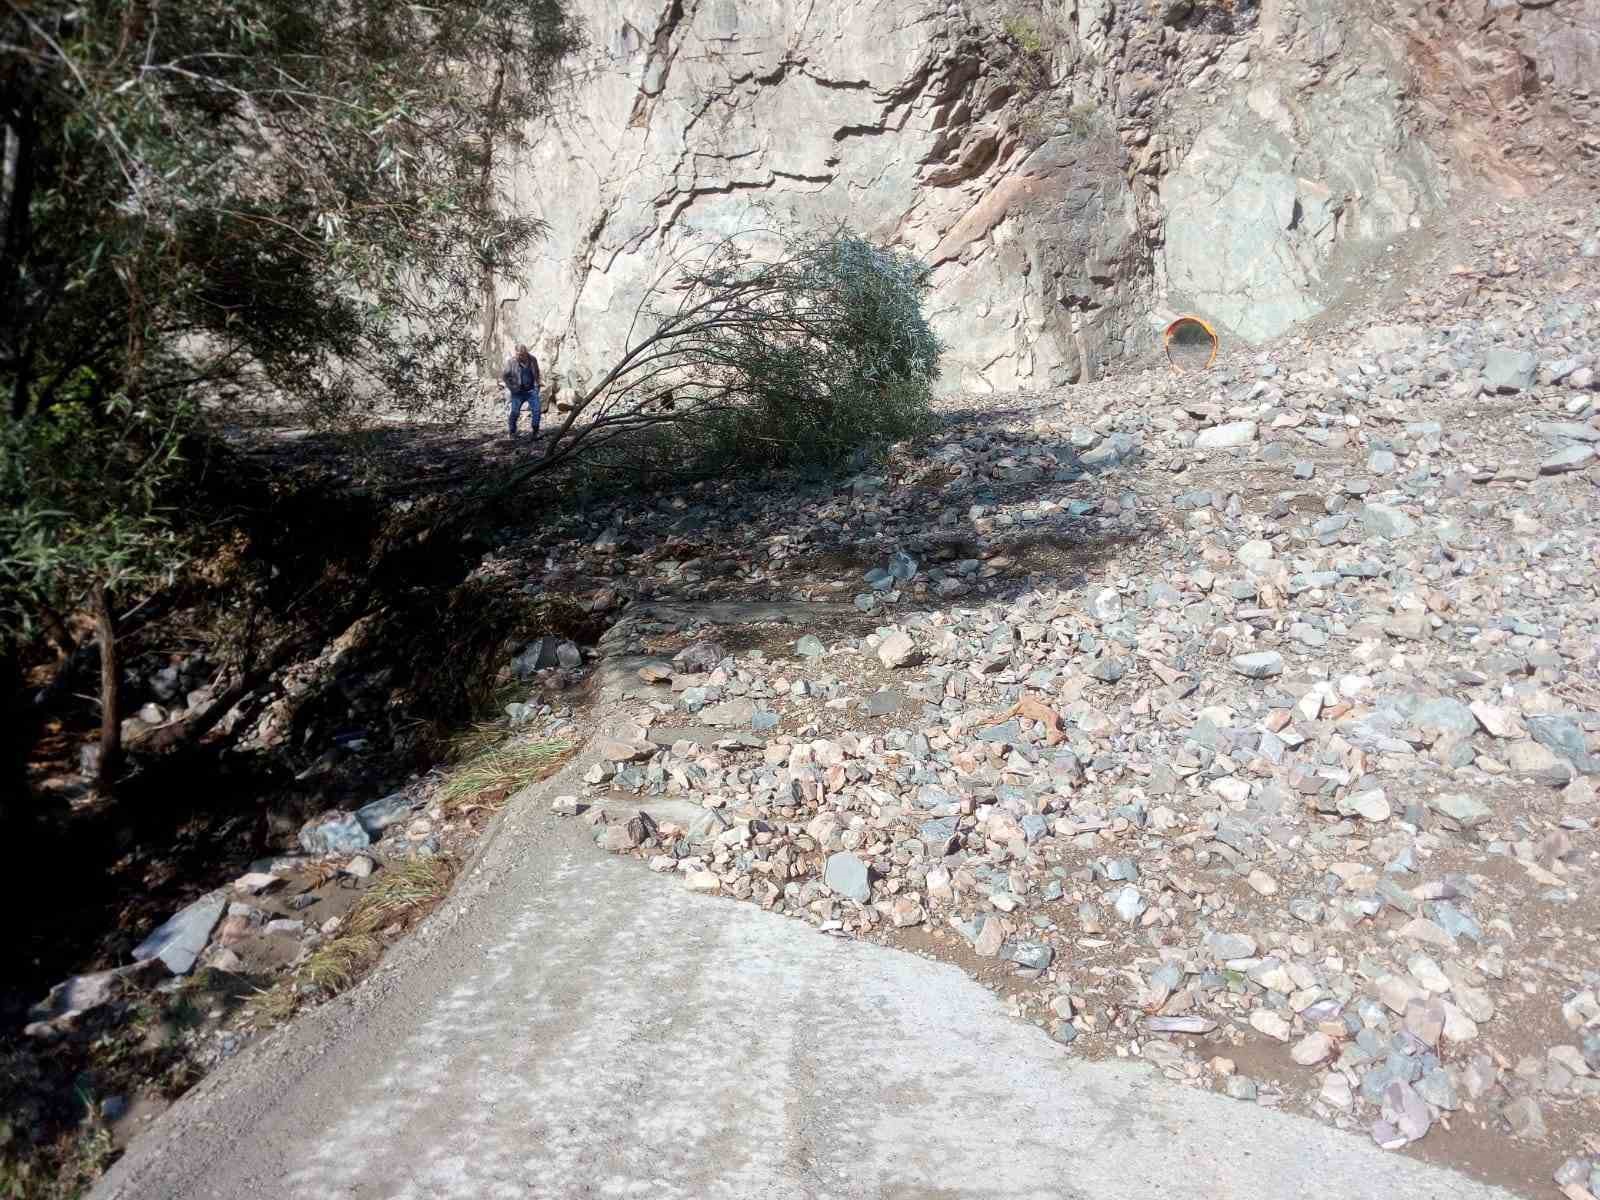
{"x": 1191, "y": 344}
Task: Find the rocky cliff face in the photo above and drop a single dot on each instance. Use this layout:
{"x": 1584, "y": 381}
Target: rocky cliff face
{"x": 1073, "y": 171}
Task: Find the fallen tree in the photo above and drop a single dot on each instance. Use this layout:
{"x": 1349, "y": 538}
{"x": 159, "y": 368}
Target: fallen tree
{"x": 762, "y": 350}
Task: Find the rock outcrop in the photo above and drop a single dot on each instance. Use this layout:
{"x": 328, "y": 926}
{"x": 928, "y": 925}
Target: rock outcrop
{"x": 1073, "y": 171}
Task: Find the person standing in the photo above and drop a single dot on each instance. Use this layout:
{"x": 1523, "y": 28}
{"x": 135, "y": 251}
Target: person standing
{"x": 521, "y": 380}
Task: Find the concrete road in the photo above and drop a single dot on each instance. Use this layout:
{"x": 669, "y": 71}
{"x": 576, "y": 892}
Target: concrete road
{"x": 571, "y": 1026}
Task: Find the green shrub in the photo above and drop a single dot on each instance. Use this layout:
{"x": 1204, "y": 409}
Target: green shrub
{"x": 801, "y": 360}
{"x": 863, "y": 379}
{"x": 1024, "y": 33}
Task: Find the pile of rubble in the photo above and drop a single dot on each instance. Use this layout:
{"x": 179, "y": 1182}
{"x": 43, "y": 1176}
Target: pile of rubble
{"x": 1247, "y": 721}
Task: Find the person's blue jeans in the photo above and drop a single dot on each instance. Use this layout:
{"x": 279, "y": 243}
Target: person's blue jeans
{"x": 518, "y": 399}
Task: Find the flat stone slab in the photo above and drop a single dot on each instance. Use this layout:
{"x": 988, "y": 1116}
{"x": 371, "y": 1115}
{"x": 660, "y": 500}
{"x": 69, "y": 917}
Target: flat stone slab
{"x": 659, "y": 809}
{"x": 384, "y": 812}
{"x": 701, "y": 735}
{"x": 179, "y": 941}
{"x": 847, "y": 875}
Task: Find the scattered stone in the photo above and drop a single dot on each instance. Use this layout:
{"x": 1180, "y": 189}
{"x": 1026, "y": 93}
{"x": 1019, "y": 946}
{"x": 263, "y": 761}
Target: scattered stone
{"x": 256, "y": 882}
{"x": 699, "y": 658}
{"x": 1562, "y": 736}
{"x": 1568, "y": 458}
{"x": 1466, "y": 811}
{"x": 334, "y": 833}
{"x": 1538, "y": 763}
{"x": 1240, "y": 1087}
{"x": 1509, "y": 370}
{"x": 613, "y": 750}
{"x": 1406, "y": 1111}
{"x": 72, "y": 998}
{"x": 898, "y": 650}
{"x": 1386, "y": 521}
{"x": 1524, "y": 1118}
{"x": 380, "y": 814}
{"x": 624, "y": 835}
{"x": 537, "y": 655}
{"x": 1371, "y": 805}
{"x": 1230, "y": 946}
{"x": 1226, "y": 436}
{"x": 1336, "y": 1092}
{"x": 1271, "y": 1024}
{"x": 1312, "y": 1049}
{"x": 1194, "y": 1025}
{"x": 1496, "y": 721}
{"x": 1263, "y": 664}
{"x": 906, "y": 911}
{"x": 179, "y": 941}
{"x": 847, "y": 876}
{"x": 1130, "y": 904}
{"x": 702, "y": 881}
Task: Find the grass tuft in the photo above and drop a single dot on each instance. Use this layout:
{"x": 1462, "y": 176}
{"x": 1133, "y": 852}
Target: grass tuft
{"x": 402, "y": 894}
{"x": 492, "y": 775}
{"x": 477, "y": 739}
{"x": 274, "y": 1005}
{"x": 341, "y": 962}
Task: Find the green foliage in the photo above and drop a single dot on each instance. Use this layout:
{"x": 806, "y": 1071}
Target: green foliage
{"x": 1032, "y": 34}
{"x": 862, "y": 376}
{"x": 1024, "y": 33}
{"x": 300, "y": 201}
{"x": 764, "y": 351}
{"x": 84, "y": 499}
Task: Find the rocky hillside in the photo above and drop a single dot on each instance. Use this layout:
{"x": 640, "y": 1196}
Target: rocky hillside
{"x": 1073, "y": 171}
{"x": 1246, "y": 724}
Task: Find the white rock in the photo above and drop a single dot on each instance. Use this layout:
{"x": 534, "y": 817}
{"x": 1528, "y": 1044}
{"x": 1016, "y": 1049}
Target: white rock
{"x": 1496, "y": 721}
{"x": 1263, "y": 883}
{"x": 1370, "y": 805}
{"x": 1234, "y": 791}
{"x": 1336, "y": 1091}
{"x": 1263, "y": 664}
{"x": 1271, "y": 1024}
{"x": 1458, "y": 1027}
{"x": 1312, "y": 1049}
{"x": 1130, "y": 904}
{"x": 1226, "y": 435}
{"x": 897, "y": 650}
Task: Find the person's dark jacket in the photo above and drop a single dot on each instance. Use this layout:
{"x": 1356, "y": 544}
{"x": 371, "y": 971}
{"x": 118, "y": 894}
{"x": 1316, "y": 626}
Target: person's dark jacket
{"x": 515, "y": 373}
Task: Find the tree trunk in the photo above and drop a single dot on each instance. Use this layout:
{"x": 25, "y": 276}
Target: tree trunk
{"x": 18, "y": 178}
{"x": 13, "y": 740}
{"x": 488, "y": 298}
{"x": 105, "y": 631}
{"x": 56, "y": 629}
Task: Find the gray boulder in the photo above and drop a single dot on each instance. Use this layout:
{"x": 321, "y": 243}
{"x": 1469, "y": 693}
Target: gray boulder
{"x": 334, "y": 833}
{"x": 179, "y": 941}
{"x": 847, "y": 876}
{"x": 1510, "y": 370}
{"x": 384, "y": 812}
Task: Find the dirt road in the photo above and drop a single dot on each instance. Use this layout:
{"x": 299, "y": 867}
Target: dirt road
{"x": 570, "y": 1025}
